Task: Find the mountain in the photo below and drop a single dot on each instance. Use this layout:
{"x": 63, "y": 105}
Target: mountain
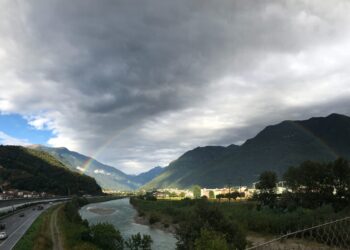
{"x": 275, "y": 148}
{"x": 145, "y": 177}
{"x": 106, "y": 176}
{"x": 188, "y": 169}
{"x": 33, "y": 170}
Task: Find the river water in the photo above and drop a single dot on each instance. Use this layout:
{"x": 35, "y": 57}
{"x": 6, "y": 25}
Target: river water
{"x": 121, "y": 214}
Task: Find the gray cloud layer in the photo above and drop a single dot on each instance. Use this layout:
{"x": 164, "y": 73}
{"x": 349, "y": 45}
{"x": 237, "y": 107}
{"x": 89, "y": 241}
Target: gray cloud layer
{"x": 137, "y": 83}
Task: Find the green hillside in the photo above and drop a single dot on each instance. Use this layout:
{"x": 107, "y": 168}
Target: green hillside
{"x": 106, "y": 176}
{"x": 275, "y": 148}
{"x": 188, "y": 169}
{"x": 33, "y": 170}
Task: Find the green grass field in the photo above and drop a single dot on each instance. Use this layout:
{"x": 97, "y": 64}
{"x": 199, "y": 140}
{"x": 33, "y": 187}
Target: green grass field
{"x": 265, "y": 221}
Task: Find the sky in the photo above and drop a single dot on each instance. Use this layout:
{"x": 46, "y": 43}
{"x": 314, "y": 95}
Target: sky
{"x": 135, "y": 84}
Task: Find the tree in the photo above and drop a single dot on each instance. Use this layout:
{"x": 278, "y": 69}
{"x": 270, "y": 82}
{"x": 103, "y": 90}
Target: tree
{"x": 211, "y": 194}
{"x": 315, "y": 184}
{"x": 267, "y": 181}
{"x": 341, "y": 172}
{"x": 138, "y": 242}
{"x": 220, "y": 196}
{"x": 196, "y": 192}
{"x": 211, "y": 218}
{"x": 267, "y": 188}
{"x": 106, "y": 236}
{"x": 210, "y": 240}
{"x": 233, "y": 195}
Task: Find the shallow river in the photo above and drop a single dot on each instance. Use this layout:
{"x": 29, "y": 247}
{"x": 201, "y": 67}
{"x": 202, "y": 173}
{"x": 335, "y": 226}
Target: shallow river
{"x": 121, "y": 214}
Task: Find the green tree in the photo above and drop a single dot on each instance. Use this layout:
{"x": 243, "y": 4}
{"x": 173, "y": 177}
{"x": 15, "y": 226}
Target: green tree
{"x": 220, "y": 196}
{"x": 267, "y": 188}
{"x": 315, "y": 184}
{"x": 211, "y": 194}
{"x": 233, "y": 195}
{"x": 341, "y": 173}
{"x": 106, "y": 236}
{"x": 196, "y": 192}
{"x": 138, "y": 242}
{"x": 210, "y": 240}
{"x": 210, "y": 217}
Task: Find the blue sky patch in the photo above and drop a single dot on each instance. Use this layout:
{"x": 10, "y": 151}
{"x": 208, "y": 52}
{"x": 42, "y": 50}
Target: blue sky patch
{"x": 16, "y": 126}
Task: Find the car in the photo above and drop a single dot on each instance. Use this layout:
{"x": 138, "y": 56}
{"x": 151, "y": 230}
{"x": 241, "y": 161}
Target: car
{"x": 3, "y": 235}
{"x": 2, "y": 226}
{"x": 21, "y": 215}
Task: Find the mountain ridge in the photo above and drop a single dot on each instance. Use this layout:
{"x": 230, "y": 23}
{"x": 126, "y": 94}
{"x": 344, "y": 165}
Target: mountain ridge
{"x": 34, "y": 170}
{"x": 106, "y": 176}
{"x": 276, "y": 147}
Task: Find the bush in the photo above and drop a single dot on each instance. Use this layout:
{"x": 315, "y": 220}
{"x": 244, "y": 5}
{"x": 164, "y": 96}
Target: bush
{"x": 154, "y": 218}
{"x": 106, "y": 236}
{"x": 210, "y": 240}
{"x": 211, "y": 218}
{"x": 136, "y": 242}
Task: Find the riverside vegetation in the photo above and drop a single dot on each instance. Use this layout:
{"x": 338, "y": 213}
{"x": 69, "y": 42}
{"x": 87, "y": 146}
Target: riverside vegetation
{"x": 318, "y": 192}
{"x": 77, "y": 233}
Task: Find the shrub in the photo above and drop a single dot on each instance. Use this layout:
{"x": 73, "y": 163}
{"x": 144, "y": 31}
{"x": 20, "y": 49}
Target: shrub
{"x": 138, "y": 242}
{"x": 154, "y": 218}
{"x": 211, "y": 240}
{"x": 106, "y": 236}
{"x": 210, "y": 217}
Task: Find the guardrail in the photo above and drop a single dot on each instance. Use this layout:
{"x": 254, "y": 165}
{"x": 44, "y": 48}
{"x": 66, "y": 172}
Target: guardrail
{"x": 13, "y": 208}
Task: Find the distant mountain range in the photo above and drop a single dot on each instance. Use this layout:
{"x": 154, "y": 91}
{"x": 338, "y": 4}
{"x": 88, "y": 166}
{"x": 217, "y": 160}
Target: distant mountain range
{"x": 33, "y": 170}
{"x": 106, "y": 176}
{"x": 275, "y": 148}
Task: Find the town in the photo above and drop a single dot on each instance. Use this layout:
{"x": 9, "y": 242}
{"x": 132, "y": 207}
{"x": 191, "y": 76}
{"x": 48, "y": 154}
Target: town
{"x": 234, "y": 192}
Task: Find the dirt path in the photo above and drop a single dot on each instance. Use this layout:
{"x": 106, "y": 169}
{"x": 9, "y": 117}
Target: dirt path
{"x": 55, "y": 232}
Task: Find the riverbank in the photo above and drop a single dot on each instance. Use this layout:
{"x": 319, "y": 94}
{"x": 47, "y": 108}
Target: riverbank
{"x": 48, "y": 231}
{"x": 125, "y": 219}
{"x": 144, "y": 220}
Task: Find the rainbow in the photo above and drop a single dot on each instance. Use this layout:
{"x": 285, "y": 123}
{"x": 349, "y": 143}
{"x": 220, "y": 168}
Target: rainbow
{"x": 87, "y": 163}
{"x": 319, "y": 140}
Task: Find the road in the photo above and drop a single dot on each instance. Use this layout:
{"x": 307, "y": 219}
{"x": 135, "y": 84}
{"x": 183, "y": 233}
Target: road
{"x": 6, "y": 203}
{"x": 16, "y": 226}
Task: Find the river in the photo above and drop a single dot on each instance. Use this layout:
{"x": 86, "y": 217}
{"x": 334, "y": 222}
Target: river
{"x": 121, "y": 214}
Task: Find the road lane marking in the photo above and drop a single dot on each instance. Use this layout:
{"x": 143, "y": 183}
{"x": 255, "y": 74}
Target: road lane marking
{"x": 19, "y": 227}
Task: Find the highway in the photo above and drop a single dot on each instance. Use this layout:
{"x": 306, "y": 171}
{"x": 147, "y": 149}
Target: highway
{"x": 6, "y": 203}
{"x": 16, "y": 226}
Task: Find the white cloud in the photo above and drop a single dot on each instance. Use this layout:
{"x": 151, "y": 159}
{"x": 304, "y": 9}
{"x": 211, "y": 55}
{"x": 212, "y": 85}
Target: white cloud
{"x": 142, "y": 85}
{"x": 6, "y": 139}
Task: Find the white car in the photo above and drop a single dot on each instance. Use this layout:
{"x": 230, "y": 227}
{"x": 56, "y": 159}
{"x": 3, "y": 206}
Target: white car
{"x": 3, "y": 235}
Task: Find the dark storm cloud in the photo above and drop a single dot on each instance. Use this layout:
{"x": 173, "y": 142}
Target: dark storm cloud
{"x": 143, "y": 81}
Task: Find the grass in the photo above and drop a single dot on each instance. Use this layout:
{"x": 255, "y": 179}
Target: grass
{"x": 71, "y": 233}
{"x": 38, "y": 235}
{"x": 264, "y": 221}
